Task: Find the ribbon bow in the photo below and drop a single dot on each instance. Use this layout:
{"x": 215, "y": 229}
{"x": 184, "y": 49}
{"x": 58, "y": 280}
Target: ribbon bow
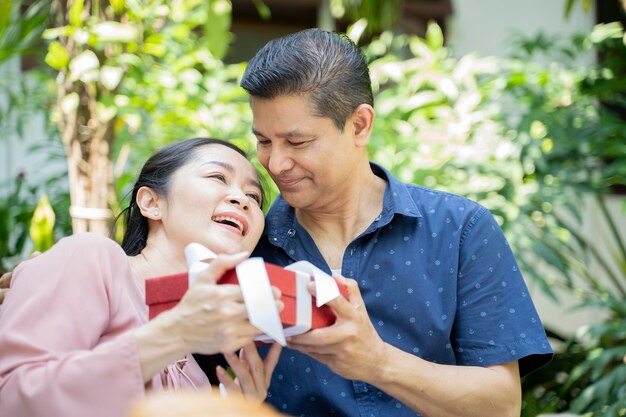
{"x": 257, "y": 291}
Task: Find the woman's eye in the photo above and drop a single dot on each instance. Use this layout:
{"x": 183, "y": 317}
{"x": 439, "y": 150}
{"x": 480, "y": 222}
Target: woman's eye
{"x": 255, "y": 197}
{"x": 219, "y": 177}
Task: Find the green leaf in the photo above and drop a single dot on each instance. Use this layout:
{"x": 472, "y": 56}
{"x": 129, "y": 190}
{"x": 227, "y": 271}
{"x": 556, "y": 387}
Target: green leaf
{"x": 115, "y": 32}
{"x": 264, "y": 12}
{"x": 217, "y": 27}
{"x": 76, "y": 13}
{"x": 57, "y": 56}
{"x": 118, "y": 6}
{"x": 84, "y": 66}
{"x": 5, "y": 14}
{"x": 356, "y": 30}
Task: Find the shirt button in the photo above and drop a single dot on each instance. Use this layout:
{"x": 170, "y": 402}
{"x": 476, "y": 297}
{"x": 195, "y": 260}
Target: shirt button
{"x": 291, "y": 232}
{"x": 378, "y": 218}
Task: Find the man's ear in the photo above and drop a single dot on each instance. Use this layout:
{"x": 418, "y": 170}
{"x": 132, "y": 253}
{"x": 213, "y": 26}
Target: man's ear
{"x": 149, "y": 203}
{"x": 362, "y": 122}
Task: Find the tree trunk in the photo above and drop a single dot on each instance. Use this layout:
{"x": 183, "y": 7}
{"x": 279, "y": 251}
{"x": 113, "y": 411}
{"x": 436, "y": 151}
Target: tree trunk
{"x": 88, "y": 142}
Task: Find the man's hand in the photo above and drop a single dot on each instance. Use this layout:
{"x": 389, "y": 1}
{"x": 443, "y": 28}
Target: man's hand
{"x": 5, "y": 279}
{"x": 351, "y": 347}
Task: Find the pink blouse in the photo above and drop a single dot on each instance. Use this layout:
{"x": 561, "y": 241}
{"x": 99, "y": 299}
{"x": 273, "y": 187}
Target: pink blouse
{"x": 65, "y": 343}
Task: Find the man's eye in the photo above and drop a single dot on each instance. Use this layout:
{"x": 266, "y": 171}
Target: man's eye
{"x": 262, "y": 142}
{"x": 299, "y": 143}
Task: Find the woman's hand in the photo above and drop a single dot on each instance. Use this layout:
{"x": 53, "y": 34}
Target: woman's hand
{"x": 252, "y": 374}
{"x": 209, "y": 319}
{"x": 213, "y": 318}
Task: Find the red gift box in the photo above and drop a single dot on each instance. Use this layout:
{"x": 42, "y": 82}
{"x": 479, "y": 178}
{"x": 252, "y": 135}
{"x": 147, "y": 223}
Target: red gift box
{"x": 163, "y": 293}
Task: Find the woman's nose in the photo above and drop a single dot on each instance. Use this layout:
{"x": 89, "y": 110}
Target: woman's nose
{"x": 239, "y": 199}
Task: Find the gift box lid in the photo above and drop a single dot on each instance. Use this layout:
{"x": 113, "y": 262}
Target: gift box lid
{"x": 279, "y": 277}
{"x": 170, "y": 288}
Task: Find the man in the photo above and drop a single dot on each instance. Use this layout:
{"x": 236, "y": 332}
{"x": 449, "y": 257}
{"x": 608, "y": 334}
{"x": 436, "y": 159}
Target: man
{"x": 438, "y": 320}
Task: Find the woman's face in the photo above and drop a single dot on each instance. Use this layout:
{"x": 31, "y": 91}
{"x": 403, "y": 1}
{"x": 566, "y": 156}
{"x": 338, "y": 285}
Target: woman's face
{"x": 215, "y": 200}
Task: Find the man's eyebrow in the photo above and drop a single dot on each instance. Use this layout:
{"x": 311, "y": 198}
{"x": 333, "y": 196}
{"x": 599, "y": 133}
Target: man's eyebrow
{"x": 252, "y": 181}
{"x": 285, "y": 135}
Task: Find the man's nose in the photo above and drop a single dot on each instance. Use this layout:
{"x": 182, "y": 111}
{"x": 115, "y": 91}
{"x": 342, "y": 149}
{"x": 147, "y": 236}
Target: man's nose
{"x": 279, "y": 161}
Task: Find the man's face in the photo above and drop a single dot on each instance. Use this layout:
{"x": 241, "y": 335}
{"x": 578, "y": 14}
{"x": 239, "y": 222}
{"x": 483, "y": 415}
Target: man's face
{"x": 307, "y": 156}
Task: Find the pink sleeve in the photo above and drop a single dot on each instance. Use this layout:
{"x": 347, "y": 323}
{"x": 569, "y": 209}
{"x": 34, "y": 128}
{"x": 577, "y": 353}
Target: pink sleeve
{"x": 65, "y": 348}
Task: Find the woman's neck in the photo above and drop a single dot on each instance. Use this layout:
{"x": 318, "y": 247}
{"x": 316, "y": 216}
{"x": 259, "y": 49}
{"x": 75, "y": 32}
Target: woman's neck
{"x": 158, "y": 259}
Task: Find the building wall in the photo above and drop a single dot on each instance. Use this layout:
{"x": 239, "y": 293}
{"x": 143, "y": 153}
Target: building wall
{"x": 28, "y": 153}
{"x": 485, "y": 26}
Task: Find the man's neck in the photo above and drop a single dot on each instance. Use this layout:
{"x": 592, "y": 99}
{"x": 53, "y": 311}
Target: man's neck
{"x": 334, "y": 226}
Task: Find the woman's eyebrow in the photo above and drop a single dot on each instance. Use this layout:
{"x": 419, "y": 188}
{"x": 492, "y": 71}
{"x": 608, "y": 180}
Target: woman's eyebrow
{"x": 251, "y": 181}
{"x": 224, "y": 165}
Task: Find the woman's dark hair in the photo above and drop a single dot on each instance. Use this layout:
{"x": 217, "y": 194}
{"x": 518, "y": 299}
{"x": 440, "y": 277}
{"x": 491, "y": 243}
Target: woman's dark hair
{"x": 327, "y": 66}
{"x": 156, "y": 174}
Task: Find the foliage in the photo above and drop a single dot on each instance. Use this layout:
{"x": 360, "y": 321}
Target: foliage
{"x": 156, "y": 73}
{"x": 583, "y": 147}
{"x": 21, "y": 31}
{"x": 376, "y": 15}
{"x": 527, "y": 139}
{"x": 25, "y": 98}
{"x": 16, "y": 207}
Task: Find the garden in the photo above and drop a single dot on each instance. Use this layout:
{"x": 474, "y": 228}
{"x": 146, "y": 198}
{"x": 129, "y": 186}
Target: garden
{"x": 537, "y": 138}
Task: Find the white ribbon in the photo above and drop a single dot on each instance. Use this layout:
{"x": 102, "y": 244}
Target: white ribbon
{"x": 196, "y": 256}
{"x": 257, "y": 291}
{"x": 257, "y": 294}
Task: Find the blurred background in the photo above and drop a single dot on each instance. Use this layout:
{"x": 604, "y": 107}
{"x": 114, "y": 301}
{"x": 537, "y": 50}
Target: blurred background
{"x": 520, "y": 106}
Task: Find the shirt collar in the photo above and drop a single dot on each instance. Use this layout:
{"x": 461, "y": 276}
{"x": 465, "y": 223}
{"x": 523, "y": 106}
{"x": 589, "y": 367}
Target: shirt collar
{"x": 397, "y": 200}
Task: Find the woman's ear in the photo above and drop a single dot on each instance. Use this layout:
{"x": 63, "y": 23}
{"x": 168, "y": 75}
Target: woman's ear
{"x": 363, "y": 122}
{"x": 149, "y": 203}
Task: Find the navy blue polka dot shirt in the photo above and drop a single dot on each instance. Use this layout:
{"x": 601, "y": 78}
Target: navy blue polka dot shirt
{"x": 439, "y": 281}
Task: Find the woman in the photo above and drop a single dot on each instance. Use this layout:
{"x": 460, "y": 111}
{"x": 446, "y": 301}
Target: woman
{"x": 74, "y": 334}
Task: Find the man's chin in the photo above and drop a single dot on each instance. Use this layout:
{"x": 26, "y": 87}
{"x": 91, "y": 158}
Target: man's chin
{"x": 297, "y": 200}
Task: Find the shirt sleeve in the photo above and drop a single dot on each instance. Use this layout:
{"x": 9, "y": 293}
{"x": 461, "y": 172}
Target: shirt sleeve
{"x": 496, "y": 320}
{"x": 61, "y": 350}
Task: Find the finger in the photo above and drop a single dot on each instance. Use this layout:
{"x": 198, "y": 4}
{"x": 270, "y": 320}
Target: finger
{"x": 242, "y": 372}
{"x": 347, "y": 307}
{"x": 229, "y": 383}
{"x": 230, "y": 292}
{"x": 276, "y": 292}
{"x": 313, "y": 349}
{"x": 219, "y": 266}
{"x": 5, "y": 280}
{"x": 250, "y": 355}
{"x": 270, "y": 361}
